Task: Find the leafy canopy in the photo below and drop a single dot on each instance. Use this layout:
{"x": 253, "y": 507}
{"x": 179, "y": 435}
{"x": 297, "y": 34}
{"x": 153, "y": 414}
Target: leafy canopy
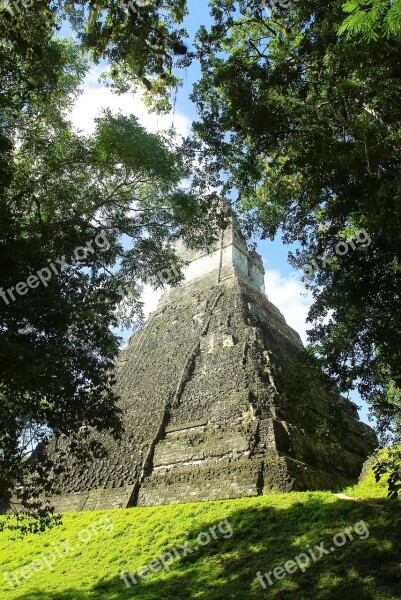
{"x": 304, "y": 126}
{"x": 372, "y": 19}
{"x": 95, "y": 215}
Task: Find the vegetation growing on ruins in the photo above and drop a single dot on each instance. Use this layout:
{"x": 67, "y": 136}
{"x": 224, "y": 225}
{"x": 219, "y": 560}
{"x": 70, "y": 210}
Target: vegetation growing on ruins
{"x": 298, "y": 114}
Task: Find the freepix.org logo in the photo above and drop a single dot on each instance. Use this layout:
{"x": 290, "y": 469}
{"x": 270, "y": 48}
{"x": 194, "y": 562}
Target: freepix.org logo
{"x": 273, "y": 5}
{"x": 43, "y": 276}
{"x": 16, "y": 6}
{"x": 177, "y": 553}
{"x": 304, "y": 560}
{"x": 132, "y": 5}
{"x": 48, "y": 560}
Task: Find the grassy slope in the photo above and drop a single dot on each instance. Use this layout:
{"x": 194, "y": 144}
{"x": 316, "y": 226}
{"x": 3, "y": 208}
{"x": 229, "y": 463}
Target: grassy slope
{"x": 268, "y": 531}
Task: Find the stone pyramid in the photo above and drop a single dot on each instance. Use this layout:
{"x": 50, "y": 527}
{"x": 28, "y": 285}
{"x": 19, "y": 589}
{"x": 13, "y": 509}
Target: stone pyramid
{"x": 204, "y": 395}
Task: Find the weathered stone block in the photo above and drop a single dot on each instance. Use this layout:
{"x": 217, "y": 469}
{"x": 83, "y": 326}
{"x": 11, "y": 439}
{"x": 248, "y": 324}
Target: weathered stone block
{"x": 203, "y": 393}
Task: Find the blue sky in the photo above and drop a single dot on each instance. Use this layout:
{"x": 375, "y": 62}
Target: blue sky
{"x": 283, "y": 288}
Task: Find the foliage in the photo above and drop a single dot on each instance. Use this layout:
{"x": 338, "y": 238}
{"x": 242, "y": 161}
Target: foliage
{"x": 387, "y": 467}
{"x": 140, "y": 42}
{"x": 267, "y": 532}
{"x": 301, "y": 121}
{"x": 372, "y": 19}
{"x": 141, "y": 45}
{"x": 105, "y": 211}
{"x": 304, "y": 126}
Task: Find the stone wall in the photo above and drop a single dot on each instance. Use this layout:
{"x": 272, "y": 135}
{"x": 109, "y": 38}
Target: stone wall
{"x": 207, "y": 415}
{"x": 204, "y": 412}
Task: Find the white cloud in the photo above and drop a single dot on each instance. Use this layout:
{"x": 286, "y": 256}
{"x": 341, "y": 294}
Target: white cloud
{"x": 96, "y": 96}
{"x": 150, "y": 298}
{"x": 290, "y": 296}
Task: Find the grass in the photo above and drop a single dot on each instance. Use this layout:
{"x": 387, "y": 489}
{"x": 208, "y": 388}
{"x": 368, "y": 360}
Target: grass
{"x": 91, "y": 549}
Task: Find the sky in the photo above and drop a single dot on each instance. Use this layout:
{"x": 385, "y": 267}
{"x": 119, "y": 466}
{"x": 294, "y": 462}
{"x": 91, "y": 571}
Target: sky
{"x": 283, "y": 287}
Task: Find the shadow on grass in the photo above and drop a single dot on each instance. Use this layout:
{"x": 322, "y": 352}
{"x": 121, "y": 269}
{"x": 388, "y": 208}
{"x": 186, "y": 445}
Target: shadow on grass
{"x": 266, "y": 537}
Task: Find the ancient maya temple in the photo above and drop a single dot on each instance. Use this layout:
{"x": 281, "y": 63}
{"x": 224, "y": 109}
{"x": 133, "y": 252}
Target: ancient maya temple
{"x": 206, "y": 413}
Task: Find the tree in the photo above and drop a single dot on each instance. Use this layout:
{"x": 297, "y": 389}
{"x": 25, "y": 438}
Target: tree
{"x": 372, "y": 19}
{"x": 82, "y": 218}
{"x": 305, "y": 126}
{"x": 140, "y": 40}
